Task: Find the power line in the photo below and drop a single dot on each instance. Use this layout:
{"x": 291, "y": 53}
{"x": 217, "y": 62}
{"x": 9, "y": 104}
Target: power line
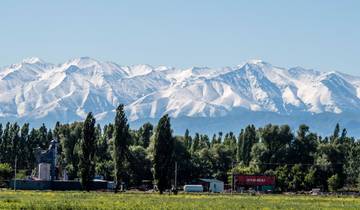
{"x": 291, "y": 164}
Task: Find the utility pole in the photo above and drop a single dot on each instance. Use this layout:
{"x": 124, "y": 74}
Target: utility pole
{"x": 15, "y": 172}
{"x": 232, "y": 177}
{"x": 175, "y": 183}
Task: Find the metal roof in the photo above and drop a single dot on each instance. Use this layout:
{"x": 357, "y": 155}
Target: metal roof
{"x": 211, "y": 180}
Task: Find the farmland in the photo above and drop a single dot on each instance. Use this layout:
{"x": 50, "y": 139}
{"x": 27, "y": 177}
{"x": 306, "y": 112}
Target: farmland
{"x": 102, "y": 200}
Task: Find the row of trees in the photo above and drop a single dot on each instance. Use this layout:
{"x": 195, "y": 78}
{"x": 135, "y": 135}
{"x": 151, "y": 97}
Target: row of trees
{"x": 300, "y": 160}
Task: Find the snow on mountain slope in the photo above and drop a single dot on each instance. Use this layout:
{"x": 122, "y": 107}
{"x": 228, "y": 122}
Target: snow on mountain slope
{"x": 35, "y": 90}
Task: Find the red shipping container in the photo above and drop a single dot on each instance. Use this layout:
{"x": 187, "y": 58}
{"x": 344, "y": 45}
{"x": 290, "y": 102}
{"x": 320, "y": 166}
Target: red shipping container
{"x": 254, "y": 180}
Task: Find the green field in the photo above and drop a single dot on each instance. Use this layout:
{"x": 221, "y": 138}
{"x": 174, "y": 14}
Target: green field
{"x": 102, "y": 200}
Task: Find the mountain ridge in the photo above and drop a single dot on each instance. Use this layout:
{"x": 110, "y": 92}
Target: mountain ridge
{"x": 36, "y": 91}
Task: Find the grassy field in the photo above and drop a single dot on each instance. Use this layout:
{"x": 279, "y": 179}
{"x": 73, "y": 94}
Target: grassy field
{"x": 98, "y": 200}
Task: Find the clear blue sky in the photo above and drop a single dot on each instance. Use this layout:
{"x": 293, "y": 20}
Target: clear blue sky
{"x": 324, "y": 35}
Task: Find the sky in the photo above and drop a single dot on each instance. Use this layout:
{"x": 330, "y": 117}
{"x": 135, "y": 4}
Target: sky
{"x": 318, "y": 34}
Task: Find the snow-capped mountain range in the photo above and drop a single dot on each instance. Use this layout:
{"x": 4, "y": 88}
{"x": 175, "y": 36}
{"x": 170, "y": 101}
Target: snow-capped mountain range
{"x": 201, "y": 98}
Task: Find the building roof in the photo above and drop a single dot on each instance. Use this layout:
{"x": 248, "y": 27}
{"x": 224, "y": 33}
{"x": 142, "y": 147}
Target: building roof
{"x": 211, "y": 180}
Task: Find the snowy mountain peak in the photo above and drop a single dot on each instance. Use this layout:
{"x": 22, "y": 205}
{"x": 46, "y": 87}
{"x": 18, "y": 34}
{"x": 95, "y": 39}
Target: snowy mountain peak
{"x": 255, "y": 61}
{"x": 138, "y": 70}
{"x": 83, "y": 62}
{"x": 32, "y": 60}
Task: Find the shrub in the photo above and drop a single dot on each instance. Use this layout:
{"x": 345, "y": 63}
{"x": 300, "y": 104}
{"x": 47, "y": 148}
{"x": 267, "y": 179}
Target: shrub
{"x": 334, "y": 183}
{"x": 5, "y": 173}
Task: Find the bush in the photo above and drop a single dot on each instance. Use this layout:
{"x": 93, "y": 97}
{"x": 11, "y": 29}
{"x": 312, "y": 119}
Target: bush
{"x": 310, "y": 178}
{"x": 5, "y": 171}
{"x": 5, "y": 174}
{"x": 21, "y": 174}
{"x": 358, "y": 182}
{"x": 282, "y": 178}
{"x": 334, "y": 183}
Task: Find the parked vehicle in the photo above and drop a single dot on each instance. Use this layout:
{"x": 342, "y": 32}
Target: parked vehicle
{"x": 193, "y": 188}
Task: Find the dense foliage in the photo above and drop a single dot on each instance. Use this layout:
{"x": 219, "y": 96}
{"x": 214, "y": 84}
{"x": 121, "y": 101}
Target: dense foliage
{"x": 299, "y": 159}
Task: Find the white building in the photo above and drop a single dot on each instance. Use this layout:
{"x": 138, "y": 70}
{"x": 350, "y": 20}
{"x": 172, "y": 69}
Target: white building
{"x": 44, "y": 171}
{"x": 214, "y": 185}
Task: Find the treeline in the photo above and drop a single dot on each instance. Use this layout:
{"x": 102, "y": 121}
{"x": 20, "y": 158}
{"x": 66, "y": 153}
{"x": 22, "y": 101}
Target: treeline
{"x": 300, "y": 160}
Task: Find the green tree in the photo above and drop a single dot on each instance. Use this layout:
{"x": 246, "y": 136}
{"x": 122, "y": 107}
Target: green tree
{"x": 1, "y": 142}
{"x": 336, "y": 133}
{"x": 15, "y": 141}
{"x": 230, "y": 142}
{"x": 310, "y": 178}
{"x": 187, "y": 140}
{"x": 352, "y": 169}
{"x": 70, "y": 138}
{"x": 57, "y": 130}
{"x": 5, "y": 173}
{"x": 145, "y": 132}
{"x": 87, "y": 155}
{"x": 248, "y": 170}
{"x": 296, "y": 177}
{"x": 5, "y": 145}
{"x": 282, "y": 174}
{"x": 163, "y": 152}
{"x": 43, "y": 137}
{"x": 213, "y": 140}
{"x": 247, "y": 140}
{"x": 204, "y": 141}
{"x": 121, "y": 145}
{"x": 31, "y": 146}
{"x": 183, "y": 158}
{"x": 202, "y": 162}
{"x": 358, "y": 182}
{"x": 195, "y": 146}
{"x": 221, "y": 158}
{"x": 219, "y": 140}
{"x": 334, "y": 183}
{"x": 240, "y": 143}
{"x": 24, "y": 136}
{"x": 140, "y": 166}
{"x": 303, "y": 149}
{"x": 274, "y": 146}
{"x": 104, "y": 162}
{"x": 331, "y": 158}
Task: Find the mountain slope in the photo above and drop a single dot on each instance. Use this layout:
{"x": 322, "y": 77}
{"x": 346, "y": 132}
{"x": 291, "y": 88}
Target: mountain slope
{"x": 37, "y": 91}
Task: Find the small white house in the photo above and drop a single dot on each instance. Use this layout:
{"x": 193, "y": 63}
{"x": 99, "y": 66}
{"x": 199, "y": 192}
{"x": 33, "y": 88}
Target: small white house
{"x": 214, "y": 185}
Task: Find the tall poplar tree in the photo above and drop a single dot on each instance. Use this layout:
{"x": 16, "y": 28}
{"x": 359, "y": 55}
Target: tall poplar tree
{"x": 121, "y": 144}
{"x": 248, "y": 140}
{"x": 5, "y": 144}
{"x": 145, "y": 134}
{"x": 15, "y": 140}
{"x": 88, "y": 148}
{"x": 163, "y": 160}
{"x": 187, "y": 139}
{"x": 195, "y": 143}
{"x": 239, "y": 150}
{"x": 1, "y": 142}
{"x": 24, "y": 135}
